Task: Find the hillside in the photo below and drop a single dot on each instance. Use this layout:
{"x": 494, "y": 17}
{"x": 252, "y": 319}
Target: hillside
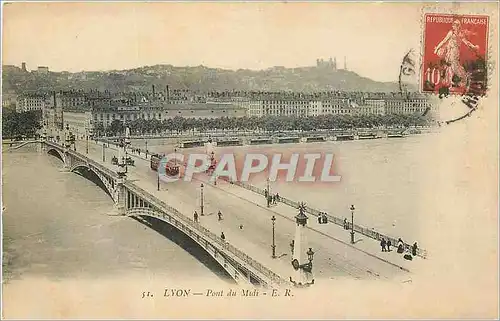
{"x": 200, "y": 78}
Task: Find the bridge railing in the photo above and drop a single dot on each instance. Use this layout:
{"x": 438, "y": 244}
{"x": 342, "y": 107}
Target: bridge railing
{"x": 210, "y": 235}
{"x": 337, "y": 220}
{"x": 85, "y": 158}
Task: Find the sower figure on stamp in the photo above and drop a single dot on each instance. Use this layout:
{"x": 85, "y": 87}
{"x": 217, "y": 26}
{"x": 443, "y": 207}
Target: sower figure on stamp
{"x": 449, "y": 50}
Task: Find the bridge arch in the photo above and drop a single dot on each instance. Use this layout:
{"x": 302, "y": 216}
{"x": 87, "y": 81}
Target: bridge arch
{"x": 55, "y": 152}
{"x": 225, "y": 263}
{"x": 95, "y": 177}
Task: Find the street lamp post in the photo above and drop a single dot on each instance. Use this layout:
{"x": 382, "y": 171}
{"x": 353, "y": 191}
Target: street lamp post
{"x": 268, "y": 193}
{"x": 87, "y": 135}
{"x": 103, "y": 152}
{"x": 158, "y": 181}
{"x": 146, "y": 149}
{"x": 273, "y": 219}
{"x": 352, "y": 223}
{"x": 201, "y": 203}
{"x": 302, "y": 270}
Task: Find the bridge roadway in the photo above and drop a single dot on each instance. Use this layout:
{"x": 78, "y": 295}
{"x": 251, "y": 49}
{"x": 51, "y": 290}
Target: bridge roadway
{"x": 332, "y": 259}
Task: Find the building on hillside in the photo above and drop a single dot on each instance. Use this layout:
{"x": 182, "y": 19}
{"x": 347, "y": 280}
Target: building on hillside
{"x": 406, "y": 106}
{"x": 43, "y": 70}
{"x": 330, "y": 64}
{"x": 288, "y": 107}
{"x": 9, "y": 100}
{"x": 106, "y": 115}
{"x": 255, "y": 108}
{"x": 31, "y": 101}
{"x": 315, "y": 108}
{"x": 335, "y": 106}
{"x": 372, "y": 107}
{"x": 70, "y": 99}
{"x": 79, "y": 123}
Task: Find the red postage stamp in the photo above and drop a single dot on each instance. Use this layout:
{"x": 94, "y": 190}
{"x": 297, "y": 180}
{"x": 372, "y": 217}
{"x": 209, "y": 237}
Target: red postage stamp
{"x": 454, "y": 54}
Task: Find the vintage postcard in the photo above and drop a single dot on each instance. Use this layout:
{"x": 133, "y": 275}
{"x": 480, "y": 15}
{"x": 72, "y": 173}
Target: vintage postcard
{"x": 305, "y": 160}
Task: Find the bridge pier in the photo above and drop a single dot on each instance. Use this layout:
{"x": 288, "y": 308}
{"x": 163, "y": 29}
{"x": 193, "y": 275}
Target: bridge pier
{"x": 120, "y": 197}
{"x": 120, "y": 190}
{"x": 66, "y": 161}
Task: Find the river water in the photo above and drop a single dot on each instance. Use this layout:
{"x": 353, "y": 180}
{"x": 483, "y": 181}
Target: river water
{"x": 57, "y": 225}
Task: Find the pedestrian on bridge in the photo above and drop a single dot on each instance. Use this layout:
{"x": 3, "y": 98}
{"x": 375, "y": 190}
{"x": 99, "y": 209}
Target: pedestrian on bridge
{"x": 346, "y": 225}
{"x": 220, "y": 215}
{"x": 389, "y": 245}
{"x": 414, "y": 249}
{"x": 195, "y": 216}
{"x": 222, "y": 236}
{"x": 383, "y": 243}
{"x": 401, "y": 246}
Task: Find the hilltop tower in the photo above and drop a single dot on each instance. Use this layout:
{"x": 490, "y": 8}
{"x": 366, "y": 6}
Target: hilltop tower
{"x": 345, "y": 63}
{"x": 23, "y": 66}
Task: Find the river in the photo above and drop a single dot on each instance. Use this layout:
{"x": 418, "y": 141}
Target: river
{"x": 57, "y": 225}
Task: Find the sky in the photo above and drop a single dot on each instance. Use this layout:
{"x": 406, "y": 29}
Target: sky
{"x": 105, "y": 36}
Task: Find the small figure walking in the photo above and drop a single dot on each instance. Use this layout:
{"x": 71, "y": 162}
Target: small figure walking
{"x": 389, "y": 243}
{"x": 346, "y": 227}
{"x": 277, "y": 197}
{"x": 222, "y": 236}
{"x": 241, "y": 226}
{"x": 383, "y": 243}
{"x": 414, "y": 249}
{"x": 195, "y": 216}
{"x": 274, "y": 199}
{"x": 401, "y": 247}
{"x": 220, "y": 216}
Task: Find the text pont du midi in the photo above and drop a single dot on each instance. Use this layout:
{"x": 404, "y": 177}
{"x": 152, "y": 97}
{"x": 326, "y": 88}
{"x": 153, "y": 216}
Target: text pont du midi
{"x": 221, "y": 293}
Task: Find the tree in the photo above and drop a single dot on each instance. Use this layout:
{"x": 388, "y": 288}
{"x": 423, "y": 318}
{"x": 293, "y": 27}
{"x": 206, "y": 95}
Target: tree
{"x": 116, "y": 127}
{"x": 21, "y": 124}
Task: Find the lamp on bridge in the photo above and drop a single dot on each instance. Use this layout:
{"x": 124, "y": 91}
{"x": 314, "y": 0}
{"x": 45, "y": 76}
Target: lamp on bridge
{"x": 268, "y": 193}
{"x": 302, "y": 271}
{"x": 122, "y": 170}
{"x": 66, "y": 137}
{"x": 352, "y": 223}
{"x": 73, "y": 140}
{"x": 273, "y": 219}
{"x": 87, "y": 135}
{"x": 201, "y": 202}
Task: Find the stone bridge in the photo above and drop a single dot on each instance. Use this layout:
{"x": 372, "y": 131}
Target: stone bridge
{"x": 131, "y": 200}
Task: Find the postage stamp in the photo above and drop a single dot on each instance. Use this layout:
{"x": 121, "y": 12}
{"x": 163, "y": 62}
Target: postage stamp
{"x": 454, "y": 54}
